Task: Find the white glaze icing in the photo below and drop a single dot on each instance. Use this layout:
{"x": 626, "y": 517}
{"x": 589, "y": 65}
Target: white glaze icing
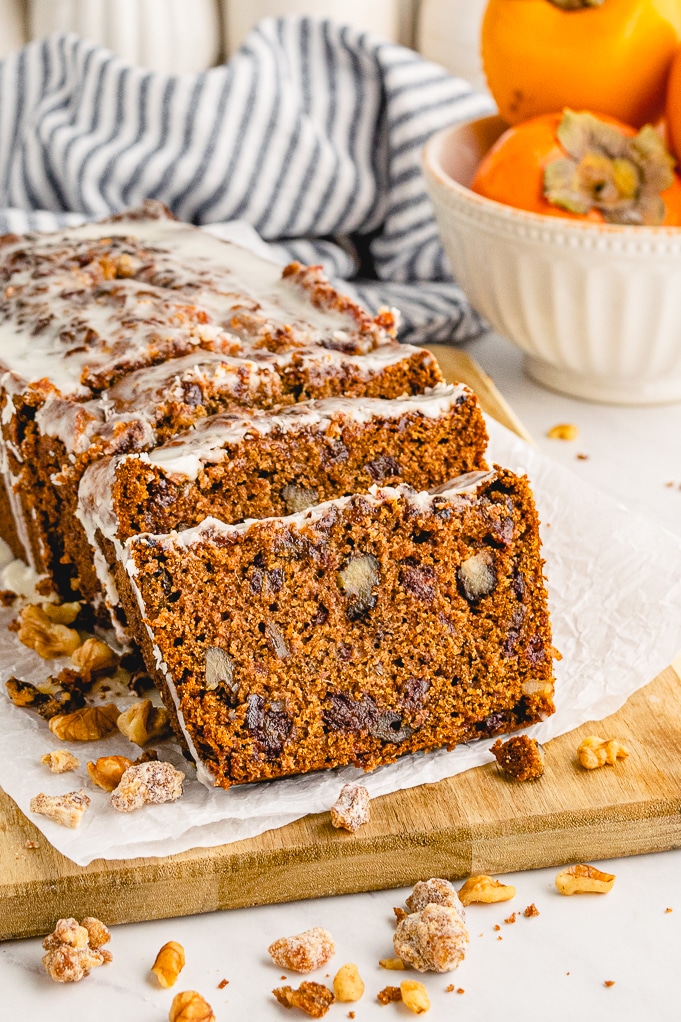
{"x": 215, "y": 277}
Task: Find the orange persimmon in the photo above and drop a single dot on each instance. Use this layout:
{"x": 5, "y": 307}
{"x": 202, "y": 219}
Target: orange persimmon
{"x": 585, "y": 167}
{"x": 611, "y": 56}
{"x": 673, "y": 106}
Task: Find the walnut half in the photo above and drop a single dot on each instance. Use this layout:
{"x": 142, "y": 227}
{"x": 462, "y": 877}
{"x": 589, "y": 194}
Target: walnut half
{"x": 87, "y": 724}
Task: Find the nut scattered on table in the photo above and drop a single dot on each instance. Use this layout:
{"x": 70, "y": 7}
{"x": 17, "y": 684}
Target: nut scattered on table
{"x": 94, "y": 657}
{"x": 531, "y": 911}
{"x": 396, "y": 964}
{"x": 347, "y": 983}
{"x": 61, "y": 761}
{"x": 485, "y": 890}
{"x": 106, "y": 772}
{"x": 150, "y": 783}
{"x": 351, "y": 809}
{"x": 433, "y": 939}
{"x": 48, "y": 638}
{"x": 520, "y": 757}
{"x": 563, "y": 431}
{"x": 143, "y": 722}
{"x": 190, "y": 1006}
{"x": 88, "y": 724}
{"x": 304, "y": 951}
{"x": 62, "y": 613}
{"x": 169, "y": 963}
{"x": 435, "y": 891}
{"x": 66, "y": 809}
{"x": 313, "y": 998}
{"x": 389, "y": 994}
{"x": 595, "y": 752}
{"x": 414, "y": 996}
{"x": 584, "y": 879}
{"x": 73, "y": 949}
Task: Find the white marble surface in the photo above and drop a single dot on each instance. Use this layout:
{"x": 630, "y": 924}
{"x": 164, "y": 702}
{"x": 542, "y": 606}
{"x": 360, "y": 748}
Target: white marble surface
{"x": 550, "y": 967}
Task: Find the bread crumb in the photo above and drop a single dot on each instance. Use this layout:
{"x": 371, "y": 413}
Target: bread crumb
{"x": 510, "y": 919}
{"x": 582, "y": 457}
{"x": 450, "y": 989}
{"x": 496, "y": 926}
{"x": 608, "y": 983}
{"x": 563, "y": 431}
{"x": 666, "y": 910}
{"x": 223, "y": 983}
{"x": 531, "y": 911}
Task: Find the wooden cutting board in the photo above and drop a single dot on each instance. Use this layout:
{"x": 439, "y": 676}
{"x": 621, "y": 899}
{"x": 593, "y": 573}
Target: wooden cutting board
{"x": 475, "y": 822}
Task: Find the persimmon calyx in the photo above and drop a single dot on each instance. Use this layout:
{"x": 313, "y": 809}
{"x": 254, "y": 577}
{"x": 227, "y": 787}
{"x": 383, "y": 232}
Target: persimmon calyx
{"x": 576, "y": 5}
{"x": 621, "y": 176}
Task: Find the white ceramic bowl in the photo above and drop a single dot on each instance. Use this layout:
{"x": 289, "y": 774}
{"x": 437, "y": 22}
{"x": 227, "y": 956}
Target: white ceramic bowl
{"x": 596, "y": 309}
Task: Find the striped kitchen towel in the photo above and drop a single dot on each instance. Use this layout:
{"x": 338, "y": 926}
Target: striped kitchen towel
{"x": 311, "y": 134}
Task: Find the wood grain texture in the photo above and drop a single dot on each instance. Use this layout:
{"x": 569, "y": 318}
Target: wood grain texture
{"x": 476, "y": 822}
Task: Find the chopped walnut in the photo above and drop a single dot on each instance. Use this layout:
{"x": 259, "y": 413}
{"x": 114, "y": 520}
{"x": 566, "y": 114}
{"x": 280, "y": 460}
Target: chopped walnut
{"x": 435, "y": 891}
{"x": 563, "y": 431}
{"x": 395, "y": 964}
{"x": 85, "y": 725}
{"x": 313, "y": 998}
{"x": 358, "y": 580}
{"x": 520, "y": 757}
{"x": 476, "y": 575}
{"x": 169, "y": 963}
{"x": 389, "y": 994}
{"x": 73, "y": 950}
{"x": 142, "y": 722}
{"x": 433, "y": 939}
{"x": 414, "y": 996}
{"x": 61, "y": 761}
{"x": 94, "y": 657}
{"x": 347, "y": 983}
{"x": 147, "y": 784}
{"x": 486, "y": 890}
{"x": 66, "y": 809}
{"x": 48, "y": 703}
{"x": 61, "y": 613}
{"x": 303, "y": 952}
{"x": 190, "y": 1006}
{"x": 351, "y": 808}
{"x": 107, "y": 771}
{"x": 583, "y": 879}
{"x": 48, "y": 638}
{"x": 595, "y": 752}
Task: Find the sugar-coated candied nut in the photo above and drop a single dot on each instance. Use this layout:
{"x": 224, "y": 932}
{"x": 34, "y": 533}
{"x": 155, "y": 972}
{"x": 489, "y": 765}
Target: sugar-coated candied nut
{"x": 147, "y": 784}
{"x": 169, "y": 963}
{"x": 595, "y": 752}
{"x": 351, "y": 808}
{"x": 65, "y": 964}
{"x": 98, "y": 933}
{"x": 67, "y": 931}
{"x": 88, "y": 724}
{"x": 48, "y": 638}
{"x": 485, "y": 890}
{"x": 563, "y": 431}
{"x": 94, "y": 657}
{"x": 584, "y": 879}
{"x": 435, "y": 891}
{"x": 347, "y": 983}
{"x": 61, "y": 761}
{"x": 313, "y": 998}
{"x": 107, "y": 771}
{"x": 395, "y": 964}
{"x": 415, "y": 996}
{"x": 389, "y": 994}
{"x": 73, "y": 949}
{"x": 190, "y": 1006}
{"x": 520, "y": 757}
{"x": 433, "y": 939}
{"x": 303, "y": 952}
{"x": 66, "y": 809}
{"x": 142, "y": 722}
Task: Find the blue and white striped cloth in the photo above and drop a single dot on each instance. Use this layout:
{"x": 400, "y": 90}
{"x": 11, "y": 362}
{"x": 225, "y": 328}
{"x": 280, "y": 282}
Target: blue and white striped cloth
{"x": 311, "y": 134}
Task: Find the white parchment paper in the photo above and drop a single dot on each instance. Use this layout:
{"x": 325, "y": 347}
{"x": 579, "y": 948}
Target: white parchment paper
{"x": 615, "y": 596}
